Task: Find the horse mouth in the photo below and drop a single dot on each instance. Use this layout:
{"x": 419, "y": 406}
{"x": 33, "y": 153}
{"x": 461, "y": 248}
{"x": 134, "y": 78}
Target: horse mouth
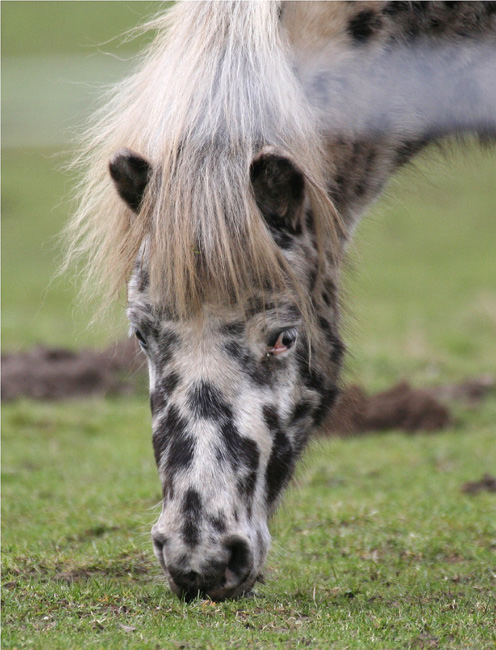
{"x": 213, "y": 593}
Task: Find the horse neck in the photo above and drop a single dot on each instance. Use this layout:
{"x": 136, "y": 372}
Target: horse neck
{"x": 388, "y": 78}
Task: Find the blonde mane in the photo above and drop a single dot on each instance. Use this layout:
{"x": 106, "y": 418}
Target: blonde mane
{"x": 215, "y": 85}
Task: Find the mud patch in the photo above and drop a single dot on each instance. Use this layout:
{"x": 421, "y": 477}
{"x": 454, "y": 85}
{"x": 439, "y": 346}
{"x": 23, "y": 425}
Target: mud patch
{"x": 56, "y": 373}
{"x": 402, "y": 407}
{"x": 486, "y": 484}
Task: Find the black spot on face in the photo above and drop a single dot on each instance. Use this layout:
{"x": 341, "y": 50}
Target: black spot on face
{"x": 258, "y": 373}
{"x": 234, "y": 350}
{"x": 170, "y": 382}
{"x": 327, "y": 401}
{"x": 161, "y": 438}
{"x": 218, "y": 523}
{"x": 181, "y": 446}
{"x": 312, "y": 378}
{"x": 192, "y": 509}
{"x": 243, "y": 455}
{"x": 271, "y": 417}
{"x": 281, "y": 458}
{"x": 362, "y": 26}
{"x": 164, "y": 389}
{"x": 301, "y": 410}
{"x": 240, "y": 451}
{"x": 206, "y": 401}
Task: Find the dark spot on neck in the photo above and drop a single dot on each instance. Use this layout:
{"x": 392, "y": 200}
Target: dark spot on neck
{"x": 362, "y": 26}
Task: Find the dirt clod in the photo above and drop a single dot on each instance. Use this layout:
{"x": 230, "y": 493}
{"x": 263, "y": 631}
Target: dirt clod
{"x": 399, "y": 407}
{"x": 57, "y": 373}
{"x": 486, "y": 484}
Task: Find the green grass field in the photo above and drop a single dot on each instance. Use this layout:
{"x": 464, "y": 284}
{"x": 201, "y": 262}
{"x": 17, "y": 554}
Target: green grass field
{"x": 375, "y": 545}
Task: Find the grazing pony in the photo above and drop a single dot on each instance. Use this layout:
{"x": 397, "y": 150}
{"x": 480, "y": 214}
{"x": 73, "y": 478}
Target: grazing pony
{"x": 244, "y": 149}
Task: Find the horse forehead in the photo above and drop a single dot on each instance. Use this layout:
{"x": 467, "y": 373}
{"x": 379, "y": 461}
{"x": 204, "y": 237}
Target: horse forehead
{"x": 216, "y": 319}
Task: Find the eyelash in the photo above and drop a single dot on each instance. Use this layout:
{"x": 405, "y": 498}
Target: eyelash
{"x": 141, "y": 339}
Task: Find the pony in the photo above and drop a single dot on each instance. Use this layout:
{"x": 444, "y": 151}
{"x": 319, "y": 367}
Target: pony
{"x": 221, "y": 183}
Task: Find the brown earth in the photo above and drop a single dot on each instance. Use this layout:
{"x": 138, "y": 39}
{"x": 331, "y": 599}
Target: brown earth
{"x": 486, "y": 484}
{"x": 403, "y": 407}
{"x": 55, "y": 373}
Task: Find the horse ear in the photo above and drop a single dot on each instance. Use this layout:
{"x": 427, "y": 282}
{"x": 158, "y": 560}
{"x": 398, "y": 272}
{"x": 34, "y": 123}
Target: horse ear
{"x": 279, "y": 187}
{"x": 130, "y": 173}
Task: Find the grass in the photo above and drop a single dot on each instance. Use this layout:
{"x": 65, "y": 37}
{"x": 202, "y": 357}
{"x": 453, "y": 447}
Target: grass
{"x": 423, "y": 282}
{"x": 40, "y": 307}
{"x": 375, "y": 545}
{"x": 43, "y": 27}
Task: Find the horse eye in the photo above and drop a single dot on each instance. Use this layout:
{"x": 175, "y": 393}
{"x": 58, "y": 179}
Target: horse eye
{"x": 288, "y": 337}
{"x": 141, "y": 339}
{"x": 282, "y": 341}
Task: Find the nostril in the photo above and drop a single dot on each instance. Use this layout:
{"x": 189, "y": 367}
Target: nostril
{"x": 159, "y": 541}
{"x": 189, "y": 583}
{"x": 239, "y": 561}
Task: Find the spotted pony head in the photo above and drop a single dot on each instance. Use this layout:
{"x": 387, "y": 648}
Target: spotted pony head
{"x": 235, "y": 391}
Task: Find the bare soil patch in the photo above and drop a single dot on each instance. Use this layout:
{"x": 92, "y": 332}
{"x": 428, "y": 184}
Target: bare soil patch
{"x": 56, "y": 373}
{"x": 486, "y": 484}
{"x": 403, "y": 407}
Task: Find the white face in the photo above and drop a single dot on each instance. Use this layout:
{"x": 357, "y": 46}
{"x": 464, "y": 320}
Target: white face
{"x": 233, "y": 402}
